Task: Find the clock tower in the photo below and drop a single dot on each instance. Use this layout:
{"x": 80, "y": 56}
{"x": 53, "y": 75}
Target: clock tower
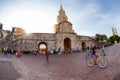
{"x": 63, "y": 25}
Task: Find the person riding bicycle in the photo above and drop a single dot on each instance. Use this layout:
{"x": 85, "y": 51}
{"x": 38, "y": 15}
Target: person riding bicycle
{"x": 94, "y": 49}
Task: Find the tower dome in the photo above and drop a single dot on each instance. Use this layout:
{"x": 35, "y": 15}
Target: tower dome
{"x": 62, "y": 16}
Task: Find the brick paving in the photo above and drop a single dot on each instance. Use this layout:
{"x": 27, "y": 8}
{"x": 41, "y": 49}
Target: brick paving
{"x": 7, "y": 70}
{"x": 67, "y": 67}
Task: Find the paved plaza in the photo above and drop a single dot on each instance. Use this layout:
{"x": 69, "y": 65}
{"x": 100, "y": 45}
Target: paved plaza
{"x": 60, "y": 67}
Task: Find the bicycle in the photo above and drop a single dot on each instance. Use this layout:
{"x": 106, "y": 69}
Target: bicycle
{"x": 100, "y": 61}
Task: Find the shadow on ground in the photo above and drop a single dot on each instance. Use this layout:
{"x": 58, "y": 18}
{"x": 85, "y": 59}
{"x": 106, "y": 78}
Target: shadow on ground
{"x": 117, "y": 77}
{"x": 7, "y": 71}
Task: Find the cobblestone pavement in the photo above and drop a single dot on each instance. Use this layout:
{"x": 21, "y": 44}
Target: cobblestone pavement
{"x": 7, "y": 70}
{"x": 67, "y": 66}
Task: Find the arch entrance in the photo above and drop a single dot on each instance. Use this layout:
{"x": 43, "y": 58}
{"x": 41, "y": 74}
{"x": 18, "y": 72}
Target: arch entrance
{"x": 83, "y": 45}
{"x": 67, "y": 44}
{"x": 42, "y": 46}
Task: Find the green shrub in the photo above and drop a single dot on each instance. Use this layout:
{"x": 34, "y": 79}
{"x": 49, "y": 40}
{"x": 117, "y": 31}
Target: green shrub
{"x": 25, "y": 52}
{"x": 1, "y": 49}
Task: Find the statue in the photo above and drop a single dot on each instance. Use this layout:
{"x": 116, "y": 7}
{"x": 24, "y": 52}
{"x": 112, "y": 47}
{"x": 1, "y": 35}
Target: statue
{"x": 1, "y": 26}
{"x": 114, "y": 31}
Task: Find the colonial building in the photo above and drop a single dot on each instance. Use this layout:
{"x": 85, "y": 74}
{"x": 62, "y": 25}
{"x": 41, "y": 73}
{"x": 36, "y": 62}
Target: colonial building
{"x": 63, "y": 37}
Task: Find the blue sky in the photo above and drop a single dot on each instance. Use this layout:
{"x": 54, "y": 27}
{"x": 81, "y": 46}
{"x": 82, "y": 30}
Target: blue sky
{"x": 89, "y": 17}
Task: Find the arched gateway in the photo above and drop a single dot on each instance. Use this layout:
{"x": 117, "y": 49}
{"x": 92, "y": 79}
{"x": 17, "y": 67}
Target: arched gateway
{"x": 42, "y": 46}
{"x": 67, "y": 44}
{"x": 83, "y": 46}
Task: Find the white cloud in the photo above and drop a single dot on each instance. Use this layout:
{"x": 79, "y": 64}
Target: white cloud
{"x": 89, "y": 20}
{"x": 31, "y": 19}
{"x": 117, "y": 23}
{"x": 85, "y": 15}
{"x": 81, "y": 16}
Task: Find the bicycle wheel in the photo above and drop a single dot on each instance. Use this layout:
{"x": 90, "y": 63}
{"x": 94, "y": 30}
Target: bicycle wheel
{"x": 103, "y": 62}
{"x": 90, "y": 62}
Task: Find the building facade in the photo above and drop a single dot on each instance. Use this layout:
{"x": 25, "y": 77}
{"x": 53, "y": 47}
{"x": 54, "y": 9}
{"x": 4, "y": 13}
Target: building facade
{"x": 63, "y": 38}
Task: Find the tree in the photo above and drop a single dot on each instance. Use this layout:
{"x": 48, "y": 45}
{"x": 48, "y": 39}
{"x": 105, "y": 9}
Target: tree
{"x": 114, "y": 38}
{"x": 101, "y": 39}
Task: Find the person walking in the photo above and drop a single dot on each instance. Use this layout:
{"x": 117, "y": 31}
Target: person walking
{"x": 103, "y": 50}
{"x": 18, "y": 53}
{"x": 88, "y": 54}
{"x": 47, "y": 55}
